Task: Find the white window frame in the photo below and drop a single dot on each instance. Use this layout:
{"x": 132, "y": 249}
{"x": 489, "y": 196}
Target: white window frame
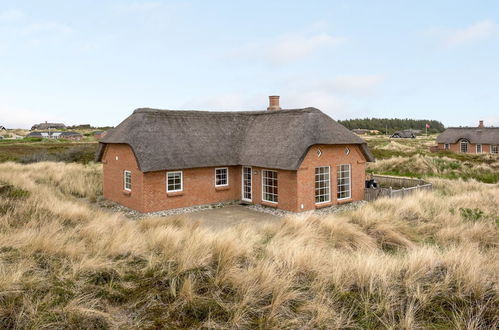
{"x": 242, "y": 184}
{"x": 492, "y": 147}
{"x": 476, "y": 148}
{"x": 349, "y": 181}
{"x": 227, "y": 176}
{"x": 264, "y": 174}
{"x": 446, "y": 146}
{"x": 181, "y": 181}
{"x": 328, "y": 187}
{"x": 461, "y": 143}
{"x": 125, "y": 172}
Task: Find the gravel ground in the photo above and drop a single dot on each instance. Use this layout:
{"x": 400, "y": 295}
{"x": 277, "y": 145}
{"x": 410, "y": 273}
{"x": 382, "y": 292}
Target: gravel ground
{"x": 260, "y": 208}
{"x": 322, "y": 212}
{"x": 184, "y": 210}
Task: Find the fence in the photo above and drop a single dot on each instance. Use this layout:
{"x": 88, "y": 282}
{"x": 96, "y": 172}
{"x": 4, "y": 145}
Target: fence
{"x": 408, "y": 186}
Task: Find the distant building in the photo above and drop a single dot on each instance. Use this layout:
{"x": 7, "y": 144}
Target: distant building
{"x": 479, "y": 139}
{"x": 99, "y": 134}
{"x": 405, "y": 134}
{"x": 2, "y": 128}
{"x": 56, "y": 135}
{"x": 45, "y": 125}
{"x": 363, "y": 131}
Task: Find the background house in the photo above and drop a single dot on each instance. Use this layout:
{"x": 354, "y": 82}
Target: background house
{"x": 295, "y": 160}
{"x": 479, "y": 139}
{"x": 56, "y": 135}
{"x": 47, "y": 126}
{"x": 405, "y": 134}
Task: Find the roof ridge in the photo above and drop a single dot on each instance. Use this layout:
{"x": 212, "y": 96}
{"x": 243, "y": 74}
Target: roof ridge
{"x": 224, "y": 113}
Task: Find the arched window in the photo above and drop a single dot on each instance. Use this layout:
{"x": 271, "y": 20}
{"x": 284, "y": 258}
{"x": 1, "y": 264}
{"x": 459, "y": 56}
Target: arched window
{"x": 464, "y": 146}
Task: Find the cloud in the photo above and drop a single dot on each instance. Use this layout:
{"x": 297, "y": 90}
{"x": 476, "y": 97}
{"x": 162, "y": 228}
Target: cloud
{"x": 287, "y": 49}
{"x": 478, "y": 31}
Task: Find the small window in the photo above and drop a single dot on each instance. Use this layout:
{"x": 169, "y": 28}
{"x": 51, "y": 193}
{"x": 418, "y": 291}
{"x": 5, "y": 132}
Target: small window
{"x": 344, "y": 182}
{"x": 127, "y": 180}
{"x": 446, "y": 146}
{"x": 174, "y": 181}
{"x": 464, "y": 146}
{"x": 478, "y": 148}
{"x": 221, "y": 177}
{"x": 322, "y": 185}
{"x": 494, "y": 149}
{"x": 347, "y": 151}
{"x": 269, "y": 186}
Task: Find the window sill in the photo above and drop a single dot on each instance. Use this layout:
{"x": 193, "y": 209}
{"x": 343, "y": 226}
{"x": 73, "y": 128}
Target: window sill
{"x": 221, "y": 188}
{"x": 271, "y": 204}
{"x": 127, "y": 192}
{"x": 323, "y": 204}
{"x": 174, "y": 193}
{"x": 344, "y": 200}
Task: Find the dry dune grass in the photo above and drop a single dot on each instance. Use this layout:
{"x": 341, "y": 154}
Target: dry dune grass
{"x": 423, "y": 165}
{"x": 395, "y": 146}
{"x": 428, "y": 261}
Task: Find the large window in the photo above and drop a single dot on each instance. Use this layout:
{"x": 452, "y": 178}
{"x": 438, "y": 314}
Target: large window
{"x": 464, "y": 146}
{"x": 494, "y": 149}
{"x": 174, "y": 181}
{"x": 127, "y": 180}
{"x": 322, "y": 185}
{"x": 221, "y": 177}
{"x": 269, "y": 186}
{"x": 478, "y": 148}
{"x": 344, "y": 182}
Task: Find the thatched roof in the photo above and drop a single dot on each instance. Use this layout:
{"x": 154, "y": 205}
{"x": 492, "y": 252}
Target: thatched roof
{"x": 168, "y": 139}
{"x": 407, "y": 134}
{"x": 483, "y": 135}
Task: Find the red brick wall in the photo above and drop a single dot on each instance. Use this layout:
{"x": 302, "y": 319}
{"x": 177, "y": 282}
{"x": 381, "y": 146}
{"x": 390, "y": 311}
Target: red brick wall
{"x": 294, "y": 187}
{"x": 116, "y": 159}
{"x": 456, "y": 147}
{"x": 332, "y": 156}
{"x": 198, "y": 188}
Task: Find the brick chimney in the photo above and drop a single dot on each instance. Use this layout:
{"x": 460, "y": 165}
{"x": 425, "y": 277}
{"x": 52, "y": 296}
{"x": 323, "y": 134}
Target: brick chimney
{"x": 274, "y": 103}
{"x": 480, "y": 125}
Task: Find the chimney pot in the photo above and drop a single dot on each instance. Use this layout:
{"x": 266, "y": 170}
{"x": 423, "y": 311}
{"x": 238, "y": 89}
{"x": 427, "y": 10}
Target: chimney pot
{"x": 274, "y": 103}
{"x": 480, "y": 125}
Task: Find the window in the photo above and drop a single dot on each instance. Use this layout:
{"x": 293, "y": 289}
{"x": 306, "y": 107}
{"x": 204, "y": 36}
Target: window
{"x": 464, "y": 146}
{"x": 494, "y": 148}
{"x": 446, "y": 146}
{"x": 344, "y": 182}
{"x": 127, "y": 180}
{"x": 247, "y": 183}
{"x": 221, "y": 177}
{"x": 478, "y": 148}
{"x": 322, "y": 184}
{"x": 174, "y": 181}
{"x": 269, "y": 186}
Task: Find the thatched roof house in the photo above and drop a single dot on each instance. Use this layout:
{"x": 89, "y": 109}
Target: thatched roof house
{"x": 45, "y": 126}
{"x": 470, "y": 139}
{"x": 295, "y": 159}
{"x": 405, "y": 134}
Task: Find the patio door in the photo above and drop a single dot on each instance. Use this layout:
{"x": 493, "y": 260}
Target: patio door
{"x": 246, "y": 189}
